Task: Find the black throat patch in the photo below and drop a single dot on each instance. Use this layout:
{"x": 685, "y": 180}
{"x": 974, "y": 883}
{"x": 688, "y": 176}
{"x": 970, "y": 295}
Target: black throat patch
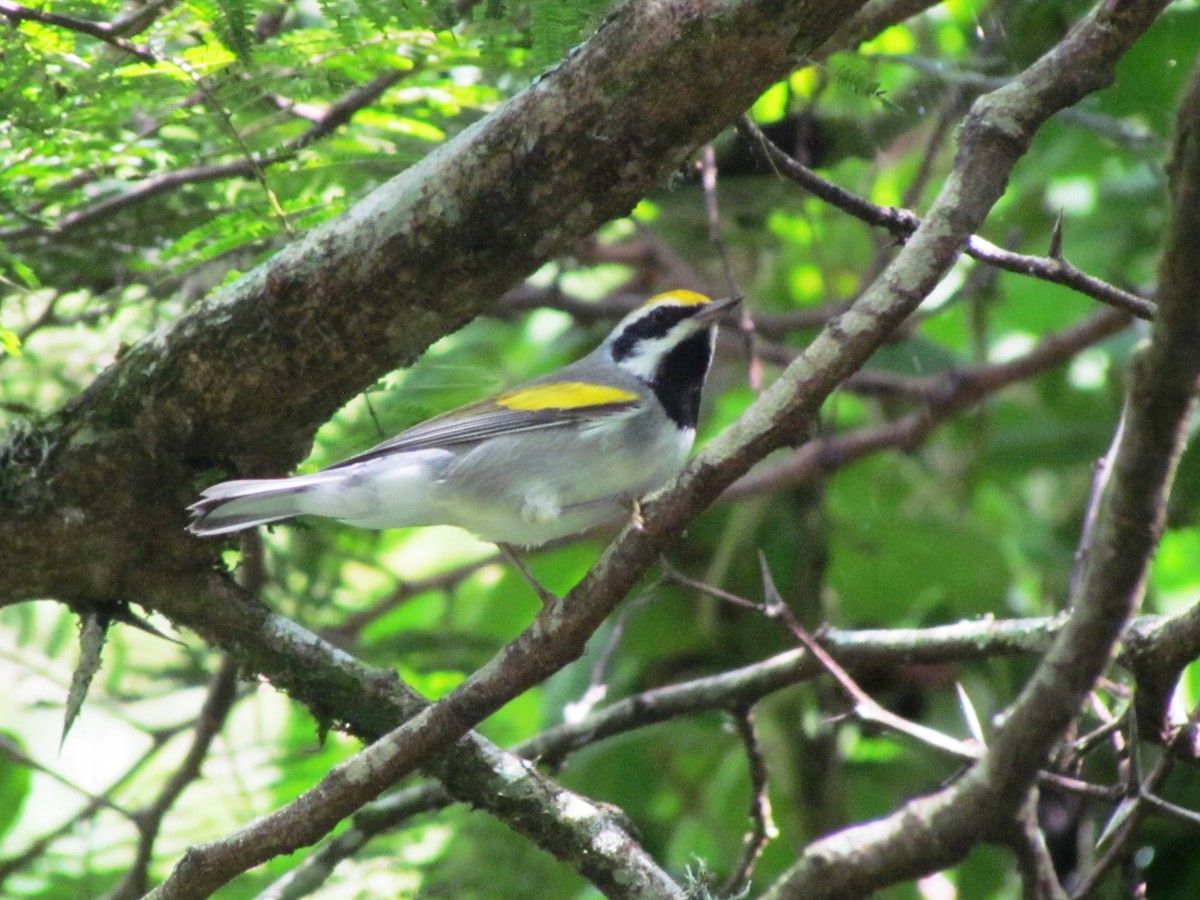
{"x": 679, "y": 378}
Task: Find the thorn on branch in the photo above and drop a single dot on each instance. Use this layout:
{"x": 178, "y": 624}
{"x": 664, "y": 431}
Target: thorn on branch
{"x": 1056, "y": 239}
{"x": 92, "y": 635}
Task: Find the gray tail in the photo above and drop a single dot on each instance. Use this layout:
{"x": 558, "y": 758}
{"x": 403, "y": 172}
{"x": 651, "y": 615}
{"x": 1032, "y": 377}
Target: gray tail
{"x": 235, "y": 505}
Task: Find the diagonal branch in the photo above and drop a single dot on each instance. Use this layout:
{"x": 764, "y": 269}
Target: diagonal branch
{"x": 996, "y": 134}
{"x": 934, "y": 831}
{"x": 16, "y": 13}
{"x": 473, "y": 770}
{"x": 93, "y": 499}
{"x": 902, "y": 223}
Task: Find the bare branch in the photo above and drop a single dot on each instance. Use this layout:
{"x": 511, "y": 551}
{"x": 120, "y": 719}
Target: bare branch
{"x": 902, "y": 223}
{"x": 222, "y": 692}
{"x": 1029, "y": 846}
{"x": 763, "y": 829}
{"x": 16, "y": 13}
{"x": 947, "y": 395}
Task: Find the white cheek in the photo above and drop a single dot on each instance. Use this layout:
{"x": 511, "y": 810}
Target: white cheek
{"x": 641, "y": 365}
{"x": 684, "y": 439}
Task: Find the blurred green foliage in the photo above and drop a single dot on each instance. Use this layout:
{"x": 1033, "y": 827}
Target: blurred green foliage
{"x": 982, "y": 519}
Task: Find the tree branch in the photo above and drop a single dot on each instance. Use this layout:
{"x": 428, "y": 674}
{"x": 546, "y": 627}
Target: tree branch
{"x": 16, "y": 13}
{"x": 739, "y": 688}
{"x": 902, "y": 223}
{"x": 997, "y": 133}
{"x": 93, "y": 500}
{"x": 948, "y": 395}
{"x": 932, "y": 832}
{"x": 473, "y": 770}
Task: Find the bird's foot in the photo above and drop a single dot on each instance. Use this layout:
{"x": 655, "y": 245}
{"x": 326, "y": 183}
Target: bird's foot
{"x": 547, "y": 597}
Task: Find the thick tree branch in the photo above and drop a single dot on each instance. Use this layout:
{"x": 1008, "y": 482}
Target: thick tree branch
{"x": 937, "y": 830}
{"x": 996, "y": 134}
{"x": 94, "y": 507}
{"x": 243, "y": 381}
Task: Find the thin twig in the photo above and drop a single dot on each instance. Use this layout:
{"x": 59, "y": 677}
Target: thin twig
{"x": 41, "y": 845}
{"x": 716, "y": 237}
{"x": 222, "y": 115}
{"x": 406, "y": 591}
{"x": 597, "y": 689}
{"x": 902, "y": 223}
{"x": 1029, "y": 845}
{"x": 138, "y": 18}
{"x": 1142, "y": 793}
{"x": 222, "y": 693}
{"x": 865, "y": 707}
{"x": 763, "y": 829}
{"x": 16, "y": 13}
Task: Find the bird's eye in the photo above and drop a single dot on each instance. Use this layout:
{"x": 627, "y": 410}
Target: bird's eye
{"x": 663, "y": 319}
{"x": 654, "y": 325}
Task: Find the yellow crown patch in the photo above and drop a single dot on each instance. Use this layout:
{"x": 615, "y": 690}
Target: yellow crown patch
{"x": 564, "y": 395}
{"x": 687, "y": 298}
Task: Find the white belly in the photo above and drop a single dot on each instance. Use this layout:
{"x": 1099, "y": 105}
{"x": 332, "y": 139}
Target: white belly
{"x": 526, "y": 489}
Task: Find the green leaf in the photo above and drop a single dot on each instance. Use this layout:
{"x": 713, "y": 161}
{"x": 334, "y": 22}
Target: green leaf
{"x": 15, "y": 777}
{"x": 235, "y": 28}
{"x": 555, "y": 27}
{"x": 10, "y": 342}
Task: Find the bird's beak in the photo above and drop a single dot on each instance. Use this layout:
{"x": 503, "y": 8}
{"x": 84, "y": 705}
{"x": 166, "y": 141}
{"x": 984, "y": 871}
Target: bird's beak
{"x": 716, "y": 309}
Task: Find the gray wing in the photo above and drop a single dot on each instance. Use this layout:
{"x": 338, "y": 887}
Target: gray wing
{"x": 481, "y": 420}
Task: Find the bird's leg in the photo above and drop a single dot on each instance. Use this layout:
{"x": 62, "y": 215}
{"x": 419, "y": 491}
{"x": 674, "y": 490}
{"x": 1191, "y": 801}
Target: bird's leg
{"x": 635, "y": 517}
{"x": 548, "y": 599}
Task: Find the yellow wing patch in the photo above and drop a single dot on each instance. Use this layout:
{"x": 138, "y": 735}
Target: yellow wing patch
{"x": 687, "y": 298}
{"x": 564, "y": 395}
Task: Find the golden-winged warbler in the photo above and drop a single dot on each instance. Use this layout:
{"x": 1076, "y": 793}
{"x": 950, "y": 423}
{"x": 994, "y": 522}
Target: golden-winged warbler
{"x": 553, "y": 457}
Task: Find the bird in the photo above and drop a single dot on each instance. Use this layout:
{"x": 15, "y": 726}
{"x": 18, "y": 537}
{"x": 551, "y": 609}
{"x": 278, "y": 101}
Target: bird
{"x": 551, "y": 458}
